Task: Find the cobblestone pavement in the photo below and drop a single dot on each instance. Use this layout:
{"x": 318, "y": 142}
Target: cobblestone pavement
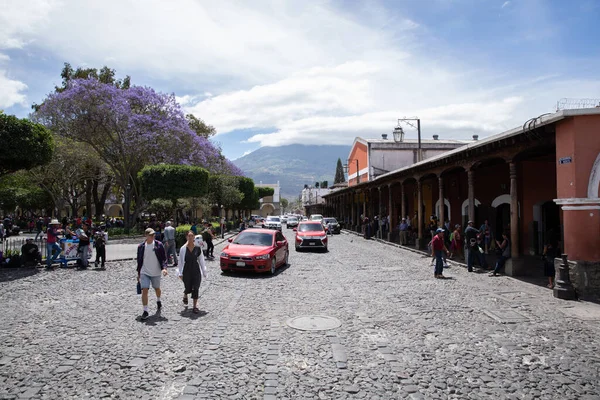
{"x": 403, "y": 334}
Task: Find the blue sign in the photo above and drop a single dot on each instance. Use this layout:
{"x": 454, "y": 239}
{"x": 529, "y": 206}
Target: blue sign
{"x": 565, "y": 160}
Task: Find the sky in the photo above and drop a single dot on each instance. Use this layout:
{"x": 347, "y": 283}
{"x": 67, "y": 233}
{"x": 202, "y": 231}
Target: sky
{"x": 274, "y": 72}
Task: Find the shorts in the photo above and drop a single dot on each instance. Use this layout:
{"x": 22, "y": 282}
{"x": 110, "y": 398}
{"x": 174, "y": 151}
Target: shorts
{"x": 145, "y": 281}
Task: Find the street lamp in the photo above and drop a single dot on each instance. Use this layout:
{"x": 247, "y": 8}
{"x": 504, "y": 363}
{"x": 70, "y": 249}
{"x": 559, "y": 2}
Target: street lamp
{"x": 347, "y": 168}
{"x": 127, "y": 206}
{"x": 399, "y": 132}
{"x": 222, "y": 223}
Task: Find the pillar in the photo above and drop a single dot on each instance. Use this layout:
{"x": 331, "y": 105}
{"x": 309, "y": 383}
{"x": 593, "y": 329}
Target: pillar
{"x": 441, "y": 195}
{"x": 419, "y": 214}
{"x": 403, "y": 202}
{"x": 352, "y": 211}
{"x": 470, "y": 179}
{"x": 514, "y": 211}
{"x": 391, "y": 223}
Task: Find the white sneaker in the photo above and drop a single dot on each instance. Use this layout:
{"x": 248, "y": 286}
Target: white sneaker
{"x": 445, "y": 265}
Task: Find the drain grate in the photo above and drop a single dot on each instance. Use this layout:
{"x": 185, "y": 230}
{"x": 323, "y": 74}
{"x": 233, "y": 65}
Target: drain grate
{"x": 314, "y": 323}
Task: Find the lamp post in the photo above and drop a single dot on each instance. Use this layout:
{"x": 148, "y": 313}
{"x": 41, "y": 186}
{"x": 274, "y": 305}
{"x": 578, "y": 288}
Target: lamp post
{"x": 399, "y": 133}
{"x": 127, "y": 206}
{"x": 347, "y": 168}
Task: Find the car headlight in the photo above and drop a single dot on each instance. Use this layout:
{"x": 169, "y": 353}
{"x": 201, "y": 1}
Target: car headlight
{"x": 263, "y": 257}
{"x": 224, "y": 255}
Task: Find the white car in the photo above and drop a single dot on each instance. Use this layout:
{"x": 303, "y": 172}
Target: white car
{"x": 283, "y": 219}
{"x": 316, "y": 217}
{"x": 273, "y": 222}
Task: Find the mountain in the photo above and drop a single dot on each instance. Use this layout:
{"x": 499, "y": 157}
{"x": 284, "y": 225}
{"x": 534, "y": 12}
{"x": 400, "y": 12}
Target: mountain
{"x": 293, "y": 165}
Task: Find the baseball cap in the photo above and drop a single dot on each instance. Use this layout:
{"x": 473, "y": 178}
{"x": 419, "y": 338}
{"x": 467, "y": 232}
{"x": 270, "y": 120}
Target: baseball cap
{"x": 439, "y": 230}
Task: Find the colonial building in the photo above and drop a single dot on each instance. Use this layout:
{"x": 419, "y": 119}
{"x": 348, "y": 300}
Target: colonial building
{"x": 536, "y": 180}
{"x": 375, "y": 157}
{"x": 269, "y": 205}
{"x": 313, "y": 200}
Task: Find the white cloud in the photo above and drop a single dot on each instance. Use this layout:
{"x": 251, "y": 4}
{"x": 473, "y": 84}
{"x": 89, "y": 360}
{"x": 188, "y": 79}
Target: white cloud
{"x": 11, "y": 91}
{"x": 505, "y": 4}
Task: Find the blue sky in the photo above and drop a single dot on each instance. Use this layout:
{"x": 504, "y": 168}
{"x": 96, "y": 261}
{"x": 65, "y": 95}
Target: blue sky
{"x": 270, "y": 73}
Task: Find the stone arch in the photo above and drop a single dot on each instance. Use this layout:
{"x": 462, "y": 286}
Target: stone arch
{"x": 267, "y": 209}
{"x": 465, "y": 206}
{"x": 437, "y": 209}
{"x": 114, "y": 210}
{"x": 502, "y": 199}
{"x": 594, "y": 183}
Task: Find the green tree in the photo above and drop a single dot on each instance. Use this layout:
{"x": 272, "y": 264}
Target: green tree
{"x": 19, "y": 190}
{"x": 265, "y": 192}
{"x": 200, "y": 127}
{"x": 284, "y": 204}
{"x": 339, "y": 173}
{"x": 172, "y": 182}
{"x": 223, "y": 190}
{"x": 23, "y": 144}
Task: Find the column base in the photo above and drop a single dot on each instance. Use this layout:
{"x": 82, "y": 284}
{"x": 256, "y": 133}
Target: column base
{"x": 421, "y": 244}
{"x": 584, "y": 277}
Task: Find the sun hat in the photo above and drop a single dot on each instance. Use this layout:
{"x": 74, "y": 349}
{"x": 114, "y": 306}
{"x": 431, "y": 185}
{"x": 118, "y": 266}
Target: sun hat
{"x": 439, "y": 230}
{"x": 149, "y": 232}
{"x": 54, "y": 222}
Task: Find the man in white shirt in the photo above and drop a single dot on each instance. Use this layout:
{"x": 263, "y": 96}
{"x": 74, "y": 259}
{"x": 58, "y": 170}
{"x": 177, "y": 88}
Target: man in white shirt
{"x": 151, "y": 262}
{"x": 169, "y": 239}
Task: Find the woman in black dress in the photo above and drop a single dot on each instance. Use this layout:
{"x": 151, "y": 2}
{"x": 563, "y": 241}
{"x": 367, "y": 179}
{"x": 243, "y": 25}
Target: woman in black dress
{"x": 191, "y": 269}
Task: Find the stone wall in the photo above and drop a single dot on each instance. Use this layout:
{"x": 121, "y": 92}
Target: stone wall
{"x": 585, "y": 277}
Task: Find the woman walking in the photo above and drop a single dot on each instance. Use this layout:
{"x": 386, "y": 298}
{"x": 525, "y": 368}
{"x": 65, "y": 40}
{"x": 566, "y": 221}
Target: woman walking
{"x": 191, "y": 269}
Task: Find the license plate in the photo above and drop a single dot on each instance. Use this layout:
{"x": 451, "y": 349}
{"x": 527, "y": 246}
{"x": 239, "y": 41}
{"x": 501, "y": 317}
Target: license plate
{"x": 240, "y": 264}
{"x": 311, "y": 244}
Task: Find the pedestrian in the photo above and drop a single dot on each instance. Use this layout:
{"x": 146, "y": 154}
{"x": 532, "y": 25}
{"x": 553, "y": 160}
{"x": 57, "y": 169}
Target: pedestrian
{"x": 151, "y": 262}
{"x": 486, "y": 236}
{"x": 169, "y": 241}
{"x": 51, "y": 243}
{"x": 438, "y": 248}
{"x": 194, "y": 228}
{"x": 39, "y": 226}
{"x": 207, "y": 237}
{"x": 101, "y": 238}
{"x": 456, "y": 243}
{"x": 1, "y": 231}
{"x": 504, "y": 250}
{"x": 83, "y": 234}
{"x": 472, "y": 247}
{"x": 403, "y": 228}
{"x": 192, "y": 269}
{"x": 551, "y": 251}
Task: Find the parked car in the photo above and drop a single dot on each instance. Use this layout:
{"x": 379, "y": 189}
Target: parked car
{"x": 316, "y": 217}
{"x": 257, "y": 250}
{"x": 283, "y": 219}
{"x": 310, "y": 234}
{"x": 272, "y": 222}
{"x": 292, "y": 222}
{"x": 331, "y": 224}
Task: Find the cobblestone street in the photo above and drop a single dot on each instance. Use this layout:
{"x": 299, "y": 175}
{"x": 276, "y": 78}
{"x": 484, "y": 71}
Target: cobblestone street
{"x": 403, "y": 334}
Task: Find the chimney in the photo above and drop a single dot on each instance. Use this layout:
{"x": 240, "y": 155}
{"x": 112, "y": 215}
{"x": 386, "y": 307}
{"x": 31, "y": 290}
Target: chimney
{"x": 475, "y": 137}
{"x": 436, "y": 137}
{"x": 384, "y": 136}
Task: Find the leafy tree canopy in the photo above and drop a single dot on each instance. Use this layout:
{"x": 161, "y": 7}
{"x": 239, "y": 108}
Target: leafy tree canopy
{"x": 200, "y": 127}
{"x": 265, "y": 192}
{"x": 172, "y": 182}
{"x": 23, "y": 144}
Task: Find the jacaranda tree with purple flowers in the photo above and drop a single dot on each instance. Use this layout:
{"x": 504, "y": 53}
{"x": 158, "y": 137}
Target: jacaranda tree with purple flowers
{"x": 129, "y": 129}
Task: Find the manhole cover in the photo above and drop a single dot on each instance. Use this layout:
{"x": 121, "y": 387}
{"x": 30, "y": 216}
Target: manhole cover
{"x": 314, "y": 323}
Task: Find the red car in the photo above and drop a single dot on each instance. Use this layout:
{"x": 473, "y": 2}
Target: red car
{"x": 257, "y": 250}
{"x": 310, "y": 234}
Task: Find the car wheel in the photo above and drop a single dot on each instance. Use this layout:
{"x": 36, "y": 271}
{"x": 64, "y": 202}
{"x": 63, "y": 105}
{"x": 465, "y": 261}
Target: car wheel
{"x": 285, "y": 260}
{"x": 273, "y": 266}
{"x": 297, "y": 248}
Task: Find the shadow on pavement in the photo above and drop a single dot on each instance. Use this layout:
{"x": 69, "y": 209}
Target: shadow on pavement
{"x": 188, "y": 313}
{"x": 12, "y": 274}
{"x": 153, "y": 319}
{"x": 255, "y": 275}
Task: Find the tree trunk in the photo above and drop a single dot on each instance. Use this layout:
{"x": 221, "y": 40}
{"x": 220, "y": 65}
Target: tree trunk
{"x": 88, "y": 198}
{"x": 100, "y": 198}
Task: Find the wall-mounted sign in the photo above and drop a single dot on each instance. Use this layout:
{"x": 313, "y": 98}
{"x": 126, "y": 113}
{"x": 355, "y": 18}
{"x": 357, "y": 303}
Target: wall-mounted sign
{"x": 565, "y": 160}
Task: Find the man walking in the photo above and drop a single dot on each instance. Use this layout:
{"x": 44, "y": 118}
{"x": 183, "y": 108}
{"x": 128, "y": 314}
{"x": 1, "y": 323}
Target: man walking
{"x": 437, "y": 247}
{"x": 151, "y": 260}
{"x": 39, "y": 225}
{"x": 169, "y": 239}
{"x": 472, "y": 247}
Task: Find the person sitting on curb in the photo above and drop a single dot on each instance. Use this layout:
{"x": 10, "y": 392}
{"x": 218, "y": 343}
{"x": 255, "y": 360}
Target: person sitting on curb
{"x": 30, "y": 253}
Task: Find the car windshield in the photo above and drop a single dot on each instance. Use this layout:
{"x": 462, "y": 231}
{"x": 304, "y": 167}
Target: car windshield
{"x": 330, "y": 220}
{"x": 254, "y": 239}
{"x": 273, "y": 219}
{"x": 292, "y": 219}
{"x": 310, "y": 228}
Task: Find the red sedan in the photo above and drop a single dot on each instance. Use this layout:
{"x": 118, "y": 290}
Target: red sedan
{"x": 310, "y": 234}
{"x": 257, "y": 250}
